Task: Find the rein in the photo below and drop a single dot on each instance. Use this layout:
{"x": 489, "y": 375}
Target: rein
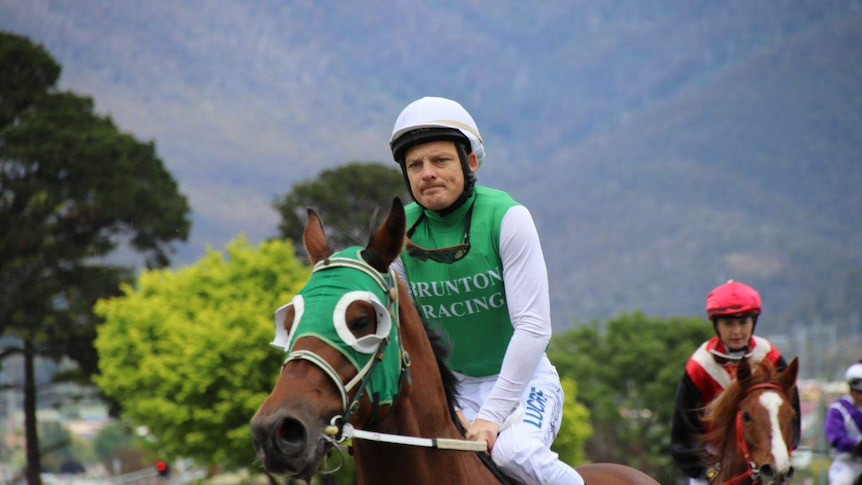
{"x": 752, "y": 472}
{"x": 348, "y": 431}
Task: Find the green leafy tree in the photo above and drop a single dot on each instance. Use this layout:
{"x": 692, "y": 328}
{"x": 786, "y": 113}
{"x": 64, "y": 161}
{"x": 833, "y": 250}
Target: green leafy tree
{"x": 576, "y": 428}
{"x": 72, "y": 189}
{"x": 627, "y": 373}
{"x": 185, "y": 352}
{"x": 347, "y": 198}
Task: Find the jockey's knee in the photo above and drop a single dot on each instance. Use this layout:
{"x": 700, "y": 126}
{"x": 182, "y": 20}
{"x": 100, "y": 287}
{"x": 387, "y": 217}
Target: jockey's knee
{"x": 528, "y": 461}
{"x": 513, "y": 451}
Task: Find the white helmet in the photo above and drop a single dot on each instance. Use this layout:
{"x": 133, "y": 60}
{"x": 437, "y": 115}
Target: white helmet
{"x": 417, "y": 121}
{"x": 854, "y": 376}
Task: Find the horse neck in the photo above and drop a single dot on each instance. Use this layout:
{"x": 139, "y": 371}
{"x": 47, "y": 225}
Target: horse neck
{"x": 378, "y": 463}
{"x": 422, "y": 408}
{"x": 421, "y": 411}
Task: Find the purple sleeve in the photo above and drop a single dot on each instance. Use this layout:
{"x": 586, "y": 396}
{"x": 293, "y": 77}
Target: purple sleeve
{"x": 836, "y": 434}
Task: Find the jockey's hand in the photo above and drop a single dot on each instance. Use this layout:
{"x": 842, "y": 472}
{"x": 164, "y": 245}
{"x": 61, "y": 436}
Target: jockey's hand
{"x": 482, "y": 430}
{"x": 858, "y": 450}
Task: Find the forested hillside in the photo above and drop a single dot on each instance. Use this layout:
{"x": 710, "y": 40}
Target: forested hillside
{"x": 663, "y": 147}
{"x": 754, "y": 175}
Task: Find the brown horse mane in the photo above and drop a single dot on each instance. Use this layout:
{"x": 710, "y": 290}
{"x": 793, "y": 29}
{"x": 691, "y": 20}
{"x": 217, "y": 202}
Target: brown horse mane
{"x": 719, "y": 416}
{"x": 441, "y": 346}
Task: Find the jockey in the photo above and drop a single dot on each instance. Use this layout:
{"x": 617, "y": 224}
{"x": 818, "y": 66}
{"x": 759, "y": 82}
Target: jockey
{"x": 844, "y": 431}
{"x": 733, "y": 309}
{"x": 475, "y": 269}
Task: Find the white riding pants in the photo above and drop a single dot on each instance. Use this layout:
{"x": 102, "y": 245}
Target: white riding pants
{"x": 523, "y": 450}
{"x": 844, "y": 471}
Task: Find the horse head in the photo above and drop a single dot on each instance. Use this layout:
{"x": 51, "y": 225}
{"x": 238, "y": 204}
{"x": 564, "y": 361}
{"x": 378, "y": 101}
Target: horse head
{"x": 340, "y": 335}
{"x": 752, "y": 422}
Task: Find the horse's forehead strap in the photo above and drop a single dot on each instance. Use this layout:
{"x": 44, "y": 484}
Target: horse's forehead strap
{"x": 358, "y": 264}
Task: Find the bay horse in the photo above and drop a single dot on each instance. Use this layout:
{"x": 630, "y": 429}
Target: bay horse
{"x": 360, "y": 359}
{"x": 750, "y": 426}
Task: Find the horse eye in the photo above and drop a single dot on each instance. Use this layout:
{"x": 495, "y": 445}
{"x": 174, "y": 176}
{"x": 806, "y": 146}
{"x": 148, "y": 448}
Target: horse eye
{"x": 746, "y": 417}
{"x": 357, "y": 325}
{"x": 361, "y": 319}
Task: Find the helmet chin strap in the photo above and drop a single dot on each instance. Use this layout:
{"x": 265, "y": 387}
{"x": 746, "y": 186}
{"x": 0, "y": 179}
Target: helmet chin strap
{"x": 469, "y": 181}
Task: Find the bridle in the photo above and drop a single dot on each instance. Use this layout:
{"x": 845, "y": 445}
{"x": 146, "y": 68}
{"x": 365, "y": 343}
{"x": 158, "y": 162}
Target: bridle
{"x": 752, "y": 471}
{"x": 389, "y": 285}
{"x": 340, "y": 428}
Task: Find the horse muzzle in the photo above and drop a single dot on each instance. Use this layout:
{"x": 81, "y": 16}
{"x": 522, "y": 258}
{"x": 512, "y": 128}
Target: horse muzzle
{"x": 767, "y": 475}
{"x": 285, "y": 445}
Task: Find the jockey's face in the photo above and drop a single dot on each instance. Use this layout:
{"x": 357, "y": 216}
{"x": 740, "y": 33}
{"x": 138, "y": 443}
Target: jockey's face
{"x": 735, "y": 331}
{"x": 435, "y": 174}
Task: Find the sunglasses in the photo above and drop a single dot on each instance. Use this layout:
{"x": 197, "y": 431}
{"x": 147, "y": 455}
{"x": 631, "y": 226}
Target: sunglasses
{"x": 443, "y": 255}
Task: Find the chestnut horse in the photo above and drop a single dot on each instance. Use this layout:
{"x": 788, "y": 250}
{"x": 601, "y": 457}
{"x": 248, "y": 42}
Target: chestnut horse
{"x": 751, "y": 426}
{"x": 360, "y": 360}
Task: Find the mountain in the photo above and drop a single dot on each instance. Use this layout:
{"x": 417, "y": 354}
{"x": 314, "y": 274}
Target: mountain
{"x": 663, "y": 147}
{"x": 753, "y": 175}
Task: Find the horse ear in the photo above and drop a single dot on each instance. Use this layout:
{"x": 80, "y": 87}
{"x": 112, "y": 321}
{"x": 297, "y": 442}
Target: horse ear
{"x": 787, "y": 377}
{"x": 386, "y": 244}
{"x": 314, "y": 238}
{"x": 743, "y": 372}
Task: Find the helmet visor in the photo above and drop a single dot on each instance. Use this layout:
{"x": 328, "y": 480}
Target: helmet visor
{"x": 425, "y": 135}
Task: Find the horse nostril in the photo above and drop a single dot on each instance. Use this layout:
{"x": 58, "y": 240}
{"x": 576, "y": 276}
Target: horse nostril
{"x": 291, "y": 431}
{"x": 767, "y": 471}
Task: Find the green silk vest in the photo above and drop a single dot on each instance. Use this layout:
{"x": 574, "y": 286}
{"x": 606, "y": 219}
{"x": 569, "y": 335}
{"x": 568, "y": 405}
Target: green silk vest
{"x": 466, "y": 299}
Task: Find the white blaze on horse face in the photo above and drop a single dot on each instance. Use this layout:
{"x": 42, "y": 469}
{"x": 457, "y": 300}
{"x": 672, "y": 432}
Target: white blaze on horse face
{"x": 772, "y": 402}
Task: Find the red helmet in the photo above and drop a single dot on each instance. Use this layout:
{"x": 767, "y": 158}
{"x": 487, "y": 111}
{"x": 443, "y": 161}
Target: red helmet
{"x": 732, "y": 298}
